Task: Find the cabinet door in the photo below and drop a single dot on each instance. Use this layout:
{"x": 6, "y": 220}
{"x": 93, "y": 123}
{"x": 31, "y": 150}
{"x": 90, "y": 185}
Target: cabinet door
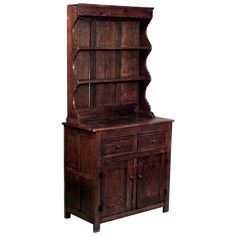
{"x": 117, "y": 187}
{"x": 150, "y": 180}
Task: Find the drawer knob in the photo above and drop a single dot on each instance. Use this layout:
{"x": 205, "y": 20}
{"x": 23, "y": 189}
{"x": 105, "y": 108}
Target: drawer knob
{"x": 131, "y": 178}
{"x": 118, "y": 147}
{"x": 140, "y": 176}
{"x": 153, "y": 141}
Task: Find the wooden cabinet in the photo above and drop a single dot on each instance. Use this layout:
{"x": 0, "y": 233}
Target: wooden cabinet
{"x": 124, "y": 182}
{"x": 117, "y": 183}
{"x": 150, "y": 189}
{"x": 117, "y": 152}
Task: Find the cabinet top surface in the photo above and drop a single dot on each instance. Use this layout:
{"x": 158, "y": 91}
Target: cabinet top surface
{"x": 117, "y": 122}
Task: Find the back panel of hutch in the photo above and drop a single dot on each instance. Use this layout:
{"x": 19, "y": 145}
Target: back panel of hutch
{"x": 117, "y": 153}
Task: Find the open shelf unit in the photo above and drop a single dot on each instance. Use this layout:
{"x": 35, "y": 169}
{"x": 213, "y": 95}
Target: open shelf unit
{"x": 109, "y": 58}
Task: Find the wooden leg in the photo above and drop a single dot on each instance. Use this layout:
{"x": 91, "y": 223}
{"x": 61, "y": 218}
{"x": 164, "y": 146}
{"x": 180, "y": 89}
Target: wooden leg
{"x": 167, "y": 184}
{"x": 166, "y": 208}
{"x": 96, "y": 227}
{"x": 166, "y": 205}
{"x": 66, "y": 215}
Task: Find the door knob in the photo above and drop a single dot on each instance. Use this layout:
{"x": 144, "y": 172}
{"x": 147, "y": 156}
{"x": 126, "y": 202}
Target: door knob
{"x": 140, "y": 176}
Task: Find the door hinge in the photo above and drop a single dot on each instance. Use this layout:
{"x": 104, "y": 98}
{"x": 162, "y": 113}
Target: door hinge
{"x": 100, "y": 208}
{"x": 165, "y": 192}
{"x": 100, "y": 175}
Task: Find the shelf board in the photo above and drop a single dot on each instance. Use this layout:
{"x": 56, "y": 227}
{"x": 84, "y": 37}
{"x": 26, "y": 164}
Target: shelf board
{"x": 111, "y": 48}
{"x": 117, "y": 80}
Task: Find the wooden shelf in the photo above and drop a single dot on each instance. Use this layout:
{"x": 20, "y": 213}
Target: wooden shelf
{"x": 117, "y": 80}
{"x": 111, "y": 49}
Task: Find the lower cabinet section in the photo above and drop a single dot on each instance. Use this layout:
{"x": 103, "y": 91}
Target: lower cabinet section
{"x": 109, "y": 175}
{"x": 79, "y": 195}
{"x": 132, "y": 183}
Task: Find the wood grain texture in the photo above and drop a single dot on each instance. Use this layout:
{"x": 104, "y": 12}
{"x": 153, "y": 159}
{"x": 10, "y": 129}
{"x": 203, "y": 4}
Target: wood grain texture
{"x": 72, "y": 13}
{"x": 105, "y": 65}
{"x": 114, "y": 11}
{"x": 129, "y": 64}
{"x": 81, "y": 97}
{"x": 166, "y": 177}
{"x": 116, "y": 187}
{"x": 81, "y": 66}
{"x": 149, "y": 180}
{"x": 152, "y": 141}
{"x": 81, "y": 33}
{"x": 105, "y": 34}
{"x": 117, "y": 146}
{"x": 130, "y": 34}
{"x": 79, "y": 151}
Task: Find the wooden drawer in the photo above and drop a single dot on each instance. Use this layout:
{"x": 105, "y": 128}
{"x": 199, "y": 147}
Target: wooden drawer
{"x": 151, "y": 141}
{"x": 121, "y": 145}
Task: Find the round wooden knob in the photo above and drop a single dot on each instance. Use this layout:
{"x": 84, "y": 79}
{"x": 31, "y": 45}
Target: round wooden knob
{"x": 139, "y": 176}
{"x": 131, "y": 178}
{"x": 153, "y": 141}
{"x": 118, "y": 147}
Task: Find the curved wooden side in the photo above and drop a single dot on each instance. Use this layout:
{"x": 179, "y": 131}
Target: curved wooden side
{"x": 72, "y": 13}
{"x": 144, "y": 107}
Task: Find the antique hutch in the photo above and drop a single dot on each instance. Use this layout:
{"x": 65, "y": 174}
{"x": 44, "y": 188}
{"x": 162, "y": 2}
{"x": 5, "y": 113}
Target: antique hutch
{"x": 117, "y": 153}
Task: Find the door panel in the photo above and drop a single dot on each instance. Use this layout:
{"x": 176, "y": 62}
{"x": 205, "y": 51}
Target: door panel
{"x": 117, "y": 187}
{"x": 150, "y": 180}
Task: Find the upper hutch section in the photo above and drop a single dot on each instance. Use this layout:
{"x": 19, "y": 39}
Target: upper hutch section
{"x": 107, "y": 51}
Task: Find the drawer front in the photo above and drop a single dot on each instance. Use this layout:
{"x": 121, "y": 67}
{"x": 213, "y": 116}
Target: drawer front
{"x": 121, "y": 145}
{"x": 151, "y": 141}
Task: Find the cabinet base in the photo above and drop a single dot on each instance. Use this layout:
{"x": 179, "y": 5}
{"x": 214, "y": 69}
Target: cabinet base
{"x": 132, "y": 212}
{"x": 67, "y": 215}
{"x": 165, "y": 209}
{"x": 96, "y": 225}
{"x": 96, "y": 228}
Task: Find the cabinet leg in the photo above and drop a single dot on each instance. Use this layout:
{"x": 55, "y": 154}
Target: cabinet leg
{"x": 166, "y": 208}
{"x": 96, "y": 227}
{"x": 66, "y": 215}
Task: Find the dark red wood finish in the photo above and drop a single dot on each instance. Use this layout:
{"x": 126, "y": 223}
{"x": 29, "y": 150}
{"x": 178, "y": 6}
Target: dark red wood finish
{"x": 117, "y": 153}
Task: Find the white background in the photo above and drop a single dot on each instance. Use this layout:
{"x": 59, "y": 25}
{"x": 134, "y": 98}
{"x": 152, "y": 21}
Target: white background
{"x": 193, "y": 68}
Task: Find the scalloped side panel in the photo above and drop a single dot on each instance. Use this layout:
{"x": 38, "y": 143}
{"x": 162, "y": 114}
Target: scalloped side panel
{"x": 144, "y": 106}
